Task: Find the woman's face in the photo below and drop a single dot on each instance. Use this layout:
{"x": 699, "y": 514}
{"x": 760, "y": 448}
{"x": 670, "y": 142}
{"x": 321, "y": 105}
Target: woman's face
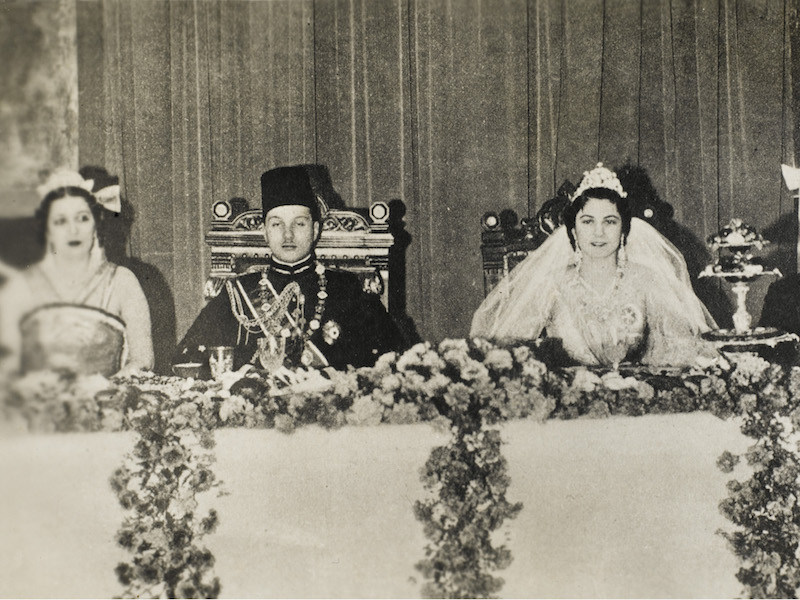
{"x": 598, "y": 228}
{"x": 70, "y": 227}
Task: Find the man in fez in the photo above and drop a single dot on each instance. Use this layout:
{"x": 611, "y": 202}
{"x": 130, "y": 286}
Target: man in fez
{"x": 293, "y": 311}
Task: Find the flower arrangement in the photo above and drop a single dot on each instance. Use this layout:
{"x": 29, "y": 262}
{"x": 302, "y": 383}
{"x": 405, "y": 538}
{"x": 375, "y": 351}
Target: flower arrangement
{"x": 466, "y": 387}
{"x": 467, "y": 482}
{"x": 765, "y": 507}
{"x": 736, "y": 234}
{"x": 737, "y": 263}
{"x": 512, "y": 382}
{"x": 157, "y": 486}
{"x": 60, "y": 401}
{"x": 467, "y": 479}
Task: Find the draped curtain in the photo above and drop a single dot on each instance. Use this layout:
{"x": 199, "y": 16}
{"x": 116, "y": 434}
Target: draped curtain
{"x": 452, "y": 107}
{"x": 38, "y": 98}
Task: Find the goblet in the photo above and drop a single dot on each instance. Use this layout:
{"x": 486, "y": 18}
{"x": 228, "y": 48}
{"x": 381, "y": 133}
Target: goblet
{"x": 617, "y": 352}
{"x": 220, "y": 360}
{"x": 271, "y": 352}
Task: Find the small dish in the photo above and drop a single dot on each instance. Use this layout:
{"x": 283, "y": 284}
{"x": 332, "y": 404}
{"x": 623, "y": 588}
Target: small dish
{"x": 186, "y": 370}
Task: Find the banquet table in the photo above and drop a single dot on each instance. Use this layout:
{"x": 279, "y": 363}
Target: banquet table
{"x": 613, "y": 507}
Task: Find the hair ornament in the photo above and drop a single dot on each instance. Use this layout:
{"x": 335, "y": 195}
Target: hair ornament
{"x": 61, "y": 178}
{"x": 109, "y": 198}
{"x": 599, "y": 177}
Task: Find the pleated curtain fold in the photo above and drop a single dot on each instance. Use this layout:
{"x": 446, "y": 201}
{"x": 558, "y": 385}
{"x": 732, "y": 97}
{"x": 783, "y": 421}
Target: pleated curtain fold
{"x": 451, "y": 107}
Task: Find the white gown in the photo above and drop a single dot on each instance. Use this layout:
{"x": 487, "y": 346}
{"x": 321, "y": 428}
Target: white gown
{"x": 627, "y": 322}
{"x": 101, "y": 327}
{"x": 649, "y": 314}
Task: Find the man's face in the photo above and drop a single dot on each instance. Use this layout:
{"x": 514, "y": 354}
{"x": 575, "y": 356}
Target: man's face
{"x": 290, "y": 232}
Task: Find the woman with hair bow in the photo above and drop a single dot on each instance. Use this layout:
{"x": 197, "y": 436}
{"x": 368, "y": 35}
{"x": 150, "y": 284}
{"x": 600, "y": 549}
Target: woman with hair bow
{"x": 607, "y": 284}
{"x": 75, "y": 310}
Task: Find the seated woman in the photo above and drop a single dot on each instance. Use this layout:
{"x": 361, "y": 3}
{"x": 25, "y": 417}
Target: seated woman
{"x": 609, "y": 286}
{"x": 73, "y": 310}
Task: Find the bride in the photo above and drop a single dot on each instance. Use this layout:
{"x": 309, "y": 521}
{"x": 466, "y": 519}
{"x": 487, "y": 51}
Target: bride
{"x": 74, "y": 310}
{"x": 609, "y": 286}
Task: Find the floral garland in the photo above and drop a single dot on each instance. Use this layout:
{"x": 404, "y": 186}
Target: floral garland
{"x": 157, "y": 486}
{"x": 158, "y": 483}
{"x": 510, "y": 383}
{"x": 466, "y": 387}
{"x": 467, "y": 482}
{"x": 765, "y": 507}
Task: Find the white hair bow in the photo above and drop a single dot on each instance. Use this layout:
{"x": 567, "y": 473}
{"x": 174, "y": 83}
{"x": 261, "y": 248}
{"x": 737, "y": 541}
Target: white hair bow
{"x": 109, "y": 198}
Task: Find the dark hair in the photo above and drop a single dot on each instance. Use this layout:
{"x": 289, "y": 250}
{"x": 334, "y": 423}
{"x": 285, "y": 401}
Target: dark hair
{"x": 43, "y": 212}
{"x": 573, "y": 208}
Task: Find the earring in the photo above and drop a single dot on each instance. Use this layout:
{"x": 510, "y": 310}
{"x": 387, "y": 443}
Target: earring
{"x": 577, "y": 256}
{"x": 622, "y": 255}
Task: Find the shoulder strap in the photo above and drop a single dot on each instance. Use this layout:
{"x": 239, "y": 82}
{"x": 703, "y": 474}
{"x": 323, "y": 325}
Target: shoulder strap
{"x": 111, "y": 271}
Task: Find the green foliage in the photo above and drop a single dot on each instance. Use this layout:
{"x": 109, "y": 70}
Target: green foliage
{"x": 765, "y": 507}
{"x": 467, "y": 483}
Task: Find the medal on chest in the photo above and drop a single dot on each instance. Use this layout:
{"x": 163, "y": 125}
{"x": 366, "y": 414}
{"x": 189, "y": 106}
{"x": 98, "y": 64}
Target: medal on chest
{"x": 279, "y": 319}
{"x": 287, "y": 333}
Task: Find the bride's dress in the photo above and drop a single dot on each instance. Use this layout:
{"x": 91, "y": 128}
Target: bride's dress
{"x": 648, "y": 314}
{"x": 628, "y": 321}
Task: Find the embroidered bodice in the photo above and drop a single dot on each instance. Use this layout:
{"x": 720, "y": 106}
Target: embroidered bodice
{"x": 97, "y": 324}
{"x": 626, "y": 322}
{"x": 598, "y": 328}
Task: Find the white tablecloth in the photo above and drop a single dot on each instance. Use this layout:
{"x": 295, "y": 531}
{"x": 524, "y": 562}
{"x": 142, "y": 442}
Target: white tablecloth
{"x": 619, "y": 507}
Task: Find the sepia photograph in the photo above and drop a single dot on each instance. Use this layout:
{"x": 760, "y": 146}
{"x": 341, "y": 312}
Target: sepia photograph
{"x": 400, "y": 299}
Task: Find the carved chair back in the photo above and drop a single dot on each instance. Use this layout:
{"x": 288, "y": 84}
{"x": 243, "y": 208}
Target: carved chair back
{"x": 353, "y": 240}
{"x": 505, "y": 241}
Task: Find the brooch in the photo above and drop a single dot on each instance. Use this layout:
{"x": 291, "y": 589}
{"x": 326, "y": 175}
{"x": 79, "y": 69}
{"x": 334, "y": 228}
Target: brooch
{"x": 331, "y": 332}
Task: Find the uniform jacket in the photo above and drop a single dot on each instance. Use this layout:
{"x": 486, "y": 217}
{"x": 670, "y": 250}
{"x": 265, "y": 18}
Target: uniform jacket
{"x": 365, "y": 329}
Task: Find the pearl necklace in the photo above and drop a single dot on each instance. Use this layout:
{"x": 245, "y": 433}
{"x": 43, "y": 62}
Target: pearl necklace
{"x": 602, "y": 295}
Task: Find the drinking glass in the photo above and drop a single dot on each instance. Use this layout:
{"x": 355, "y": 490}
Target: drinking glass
{"x": 271, "y": 352}
{"x": 617, "y": 354}
{"x": 220, "y": 360}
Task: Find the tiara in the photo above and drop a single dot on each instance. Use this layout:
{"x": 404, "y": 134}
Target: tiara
{"x": 599, "y": 177}
{"x": 64, "y": 178}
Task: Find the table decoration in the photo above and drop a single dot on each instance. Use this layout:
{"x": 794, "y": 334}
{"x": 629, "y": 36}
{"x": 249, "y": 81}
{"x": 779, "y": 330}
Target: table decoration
{"x": 466, "y": 387}
{"x": 735, "y": 263}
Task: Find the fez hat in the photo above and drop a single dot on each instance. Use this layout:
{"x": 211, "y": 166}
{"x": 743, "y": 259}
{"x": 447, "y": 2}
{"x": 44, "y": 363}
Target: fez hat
{"x": 288, "y": 185}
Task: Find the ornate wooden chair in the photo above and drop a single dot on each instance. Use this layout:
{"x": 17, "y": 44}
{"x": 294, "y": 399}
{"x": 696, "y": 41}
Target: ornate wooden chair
{"x": 355, "y": 240}
{"x": 505, "y": 241}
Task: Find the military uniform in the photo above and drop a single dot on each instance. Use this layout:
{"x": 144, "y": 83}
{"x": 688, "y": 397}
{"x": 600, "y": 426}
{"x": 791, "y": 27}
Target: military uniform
{"x": 353, "y": 328}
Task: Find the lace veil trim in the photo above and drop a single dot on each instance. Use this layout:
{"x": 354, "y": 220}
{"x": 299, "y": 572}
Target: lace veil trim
{"x": 521, "y": 303}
